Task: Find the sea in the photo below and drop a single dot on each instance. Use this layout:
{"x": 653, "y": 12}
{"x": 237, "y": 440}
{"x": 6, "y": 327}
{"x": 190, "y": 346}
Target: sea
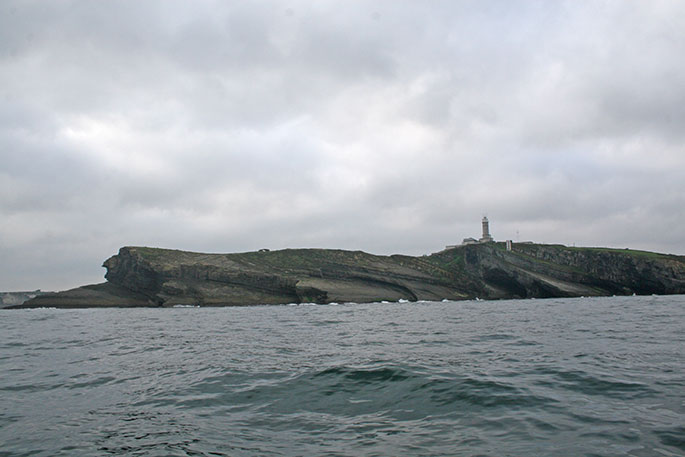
{"x": 553, "y": 377}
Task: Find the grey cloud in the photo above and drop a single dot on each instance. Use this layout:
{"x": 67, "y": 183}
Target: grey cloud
{"x": 384, "y": 126}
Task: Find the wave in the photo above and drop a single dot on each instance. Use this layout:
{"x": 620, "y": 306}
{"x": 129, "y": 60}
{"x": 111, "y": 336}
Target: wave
{"x": 591, "y": 384}
{"x": 396, "y": 391}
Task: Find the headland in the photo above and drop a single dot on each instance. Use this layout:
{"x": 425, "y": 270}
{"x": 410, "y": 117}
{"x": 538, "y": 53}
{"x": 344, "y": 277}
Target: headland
{"x": 154, "y": 277}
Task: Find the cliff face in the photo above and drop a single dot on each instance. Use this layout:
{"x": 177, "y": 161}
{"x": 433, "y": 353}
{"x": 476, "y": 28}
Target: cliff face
{"x": 531, "y": 270}
{"x": 289, "y": 276}
{"x": 139, "y": 276}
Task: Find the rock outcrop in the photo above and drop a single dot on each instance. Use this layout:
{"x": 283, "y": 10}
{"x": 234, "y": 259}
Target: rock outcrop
{"x": 8, "y": 299}
{"x": 140, "y": 276}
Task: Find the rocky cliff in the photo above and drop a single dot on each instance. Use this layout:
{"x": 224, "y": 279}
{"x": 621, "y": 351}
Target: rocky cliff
{"x": 140, "y": 276}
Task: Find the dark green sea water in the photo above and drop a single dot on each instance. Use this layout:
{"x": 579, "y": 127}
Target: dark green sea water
{"x": 559, "y": 377}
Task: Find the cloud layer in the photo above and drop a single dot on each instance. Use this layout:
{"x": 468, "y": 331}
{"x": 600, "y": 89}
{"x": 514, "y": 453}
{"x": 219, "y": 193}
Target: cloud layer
{"x": 387, "y": 126}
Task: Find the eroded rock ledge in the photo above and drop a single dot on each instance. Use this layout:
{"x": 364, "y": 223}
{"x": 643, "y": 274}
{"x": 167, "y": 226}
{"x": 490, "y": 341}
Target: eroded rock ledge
{"x": 141, "y": 276}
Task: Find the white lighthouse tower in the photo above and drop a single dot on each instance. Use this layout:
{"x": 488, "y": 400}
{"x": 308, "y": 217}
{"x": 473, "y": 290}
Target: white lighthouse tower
{"x": 486, "y": 231}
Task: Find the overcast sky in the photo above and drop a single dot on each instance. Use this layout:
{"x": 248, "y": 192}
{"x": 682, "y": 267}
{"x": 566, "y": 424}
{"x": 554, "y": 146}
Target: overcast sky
{"x": 386, "y": 126}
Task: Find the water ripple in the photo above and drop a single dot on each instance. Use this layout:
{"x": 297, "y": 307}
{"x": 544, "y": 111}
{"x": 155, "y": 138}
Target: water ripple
{"x": 516, "y": 378}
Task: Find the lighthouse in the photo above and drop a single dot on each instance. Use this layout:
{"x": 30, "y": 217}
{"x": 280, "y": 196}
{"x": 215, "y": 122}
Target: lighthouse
{"x": 486, "y": 231}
